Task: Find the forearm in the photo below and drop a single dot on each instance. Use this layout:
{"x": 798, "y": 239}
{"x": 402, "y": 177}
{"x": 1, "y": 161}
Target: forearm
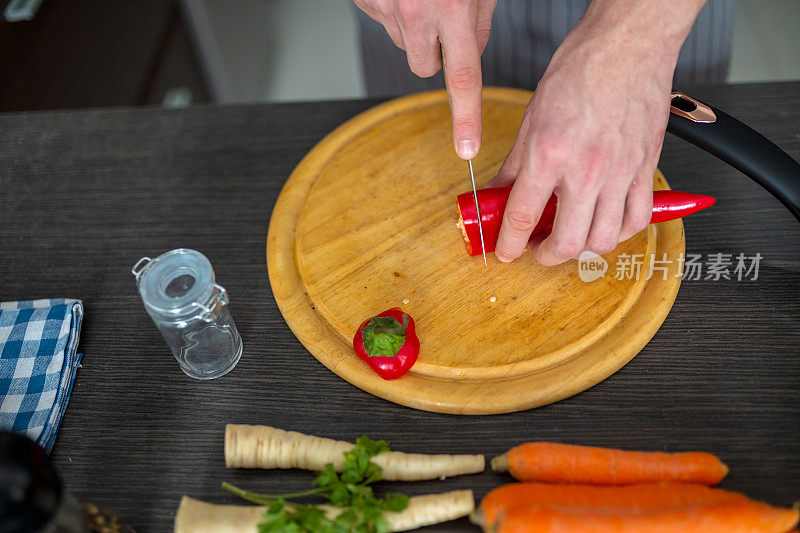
{"x": 623, "y": 43}
{"x": 654, "y": 28}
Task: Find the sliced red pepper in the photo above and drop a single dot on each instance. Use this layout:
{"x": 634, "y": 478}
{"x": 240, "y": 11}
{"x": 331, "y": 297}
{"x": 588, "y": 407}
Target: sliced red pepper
{"x": 667, "y": 205}
{"x": 388, "y": 343}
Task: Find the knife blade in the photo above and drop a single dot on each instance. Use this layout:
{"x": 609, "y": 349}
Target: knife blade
{"x": 477, "y": 210}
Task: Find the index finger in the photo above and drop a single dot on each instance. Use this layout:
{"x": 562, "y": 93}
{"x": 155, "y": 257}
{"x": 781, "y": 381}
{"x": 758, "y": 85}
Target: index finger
{"x": 462, "y": 74}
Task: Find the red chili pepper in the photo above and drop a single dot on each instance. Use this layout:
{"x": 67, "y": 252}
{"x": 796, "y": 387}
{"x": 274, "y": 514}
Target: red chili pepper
{"x": 667, "y": 205}
{"x": 388, "y": 343}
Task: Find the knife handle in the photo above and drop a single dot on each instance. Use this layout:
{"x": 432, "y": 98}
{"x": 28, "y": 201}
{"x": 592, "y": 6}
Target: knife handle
{"x": 738, "y": 145}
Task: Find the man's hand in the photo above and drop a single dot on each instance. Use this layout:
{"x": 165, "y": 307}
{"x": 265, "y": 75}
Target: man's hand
{"x": 459, "y": 29}
{"x": 592, "y": 134}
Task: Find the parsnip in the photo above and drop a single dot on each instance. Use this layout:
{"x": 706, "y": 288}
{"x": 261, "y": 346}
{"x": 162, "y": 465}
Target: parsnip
{"x": 268, "y": 447}
{"x": 195, "y": 516}
{"x": 432, "y": 509}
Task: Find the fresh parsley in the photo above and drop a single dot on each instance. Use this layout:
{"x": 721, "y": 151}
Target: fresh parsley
{"x": 362, "y": 511}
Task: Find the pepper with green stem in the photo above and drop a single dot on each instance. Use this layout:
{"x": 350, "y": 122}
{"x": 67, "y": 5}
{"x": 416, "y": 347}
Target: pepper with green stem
{"x": 388, "y": 343}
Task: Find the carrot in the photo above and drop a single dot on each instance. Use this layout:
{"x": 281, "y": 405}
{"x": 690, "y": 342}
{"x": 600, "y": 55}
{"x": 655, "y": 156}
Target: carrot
{"x": 267, "y": 447}
{"x": 644, "y": 496}
{"x": 730, "y": 517}
{"x": 566, "y": 463}
{"x": 195, "y": 516}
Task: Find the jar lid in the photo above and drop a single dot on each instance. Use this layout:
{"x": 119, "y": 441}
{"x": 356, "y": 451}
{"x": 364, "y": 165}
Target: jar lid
{"x": 175, "y": 283}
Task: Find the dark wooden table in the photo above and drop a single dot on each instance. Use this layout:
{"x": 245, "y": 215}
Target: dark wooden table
{"x": 87, "y": 193}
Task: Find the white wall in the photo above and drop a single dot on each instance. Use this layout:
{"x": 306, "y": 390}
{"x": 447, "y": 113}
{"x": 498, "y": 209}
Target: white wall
{"x": 766, "y": 41}
{"x": 279, "y": 50}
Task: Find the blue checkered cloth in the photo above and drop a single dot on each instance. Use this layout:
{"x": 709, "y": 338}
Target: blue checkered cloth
{"x": 38, "y": 361}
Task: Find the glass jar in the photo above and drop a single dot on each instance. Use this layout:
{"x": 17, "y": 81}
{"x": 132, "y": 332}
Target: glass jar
{"x": 191, "y": 311}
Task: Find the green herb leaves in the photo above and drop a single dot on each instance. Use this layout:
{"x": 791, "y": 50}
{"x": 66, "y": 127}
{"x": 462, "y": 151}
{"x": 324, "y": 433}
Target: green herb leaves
{"x": 362, "y": 511}
{"x": 283, "y": 518}
{"x": 384, "y": 336}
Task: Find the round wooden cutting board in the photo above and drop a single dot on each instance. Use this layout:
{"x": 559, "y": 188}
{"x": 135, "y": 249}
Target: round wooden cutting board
{"x": 367, "y": 221}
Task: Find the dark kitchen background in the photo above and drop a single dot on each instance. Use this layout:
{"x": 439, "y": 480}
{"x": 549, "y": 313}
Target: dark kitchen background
{"x": 97, "y": 53}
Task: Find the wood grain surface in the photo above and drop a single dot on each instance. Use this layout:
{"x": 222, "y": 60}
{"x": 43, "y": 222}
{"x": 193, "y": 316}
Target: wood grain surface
{"x": 87, "y": 193}
{"x": 366, "y": 223}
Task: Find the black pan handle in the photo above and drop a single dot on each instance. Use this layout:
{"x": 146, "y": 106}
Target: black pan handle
{"x": 738, "y": 145}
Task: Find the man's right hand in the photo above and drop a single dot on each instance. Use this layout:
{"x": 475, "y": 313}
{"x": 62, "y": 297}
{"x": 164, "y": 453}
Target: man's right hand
{"x": 459, "y": 29}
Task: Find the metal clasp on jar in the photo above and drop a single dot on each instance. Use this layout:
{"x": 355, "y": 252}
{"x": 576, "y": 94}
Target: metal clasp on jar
{"x": 219, "y": 299}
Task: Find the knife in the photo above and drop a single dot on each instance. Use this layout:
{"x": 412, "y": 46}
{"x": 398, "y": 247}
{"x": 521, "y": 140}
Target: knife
{"x": 477, "y": 210}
